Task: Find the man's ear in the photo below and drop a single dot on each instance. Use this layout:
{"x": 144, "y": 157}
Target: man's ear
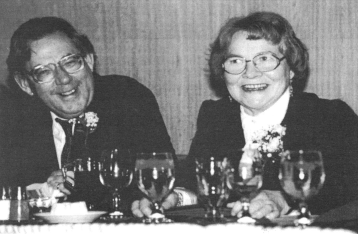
{"x": 23, "y": 83}
{"x": 90, "y": 60}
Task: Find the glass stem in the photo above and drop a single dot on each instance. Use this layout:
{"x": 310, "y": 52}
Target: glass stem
{"x": 156, "y": 208}
{"x": 304, "y": 213}
{"x": 116, "y": 202}
{"x": 245, "y": 207}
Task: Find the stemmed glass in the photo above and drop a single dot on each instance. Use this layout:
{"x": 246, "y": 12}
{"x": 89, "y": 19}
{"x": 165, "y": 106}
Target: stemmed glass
{"x": 212, "y": 189}
{"x": 302, "y": 176}
{"x": 155, "y": 176}
{"x": 245, "y": 178}
{"x": 87, "y": 186}
{"x": 116, "y": 171}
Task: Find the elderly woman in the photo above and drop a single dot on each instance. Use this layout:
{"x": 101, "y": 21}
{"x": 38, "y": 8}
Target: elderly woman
{"x": 259, "y": 67}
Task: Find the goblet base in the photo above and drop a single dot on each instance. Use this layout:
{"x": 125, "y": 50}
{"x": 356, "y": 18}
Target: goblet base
{"x": 246, "y": 220}
{"x": 157, "y": 220}
{"x": 304, "y": 221}
{"x": 214, "y": 215}
{"x": 118, "y": 219}
{"x": 115, "y": 215}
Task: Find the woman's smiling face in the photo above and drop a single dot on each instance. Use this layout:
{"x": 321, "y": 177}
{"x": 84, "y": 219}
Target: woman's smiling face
{"x": 256, "y": 91}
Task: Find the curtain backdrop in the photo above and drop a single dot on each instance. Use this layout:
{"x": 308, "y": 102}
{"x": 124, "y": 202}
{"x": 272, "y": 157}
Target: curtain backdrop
{"x": 164, "y": 44}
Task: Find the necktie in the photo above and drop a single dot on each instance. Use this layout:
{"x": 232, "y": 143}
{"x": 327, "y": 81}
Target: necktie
{"x": 66, "y": 152}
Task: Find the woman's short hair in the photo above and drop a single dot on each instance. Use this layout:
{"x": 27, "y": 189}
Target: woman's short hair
{"x": 36, "y": 29}
{"x": 260, "y": 25}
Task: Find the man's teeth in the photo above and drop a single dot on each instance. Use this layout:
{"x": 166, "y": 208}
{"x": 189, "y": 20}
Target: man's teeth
{"x": 68, "y": 93}
{"x": 254, "y": 87}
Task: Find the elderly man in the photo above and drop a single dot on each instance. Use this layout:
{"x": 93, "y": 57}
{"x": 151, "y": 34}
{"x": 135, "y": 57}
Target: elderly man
{"x": 54, "y": 66}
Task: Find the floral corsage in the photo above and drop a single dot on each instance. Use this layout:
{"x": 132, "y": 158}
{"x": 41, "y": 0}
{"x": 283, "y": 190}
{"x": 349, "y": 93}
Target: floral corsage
{"x": 269, "y": 140}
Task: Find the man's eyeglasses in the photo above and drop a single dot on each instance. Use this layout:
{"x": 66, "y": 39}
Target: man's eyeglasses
{"x": 263, "y": 62}
{"x": 46, "y": 73}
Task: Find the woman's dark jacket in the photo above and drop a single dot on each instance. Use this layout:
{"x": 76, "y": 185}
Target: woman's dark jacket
{"x": 311, "y": 123}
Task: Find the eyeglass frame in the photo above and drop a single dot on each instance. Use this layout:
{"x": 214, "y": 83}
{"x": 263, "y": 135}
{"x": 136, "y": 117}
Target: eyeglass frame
{"x": 58, "y": 64}
{"x": 246, "y": 61}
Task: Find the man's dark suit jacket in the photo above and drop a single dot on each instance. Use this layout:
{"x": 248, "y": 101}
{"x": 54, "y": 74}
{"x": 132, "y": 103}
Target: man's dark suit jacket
{"x": 7, "y": 124}
{"x": 129, "y": 117}
{"x": 311, "y": 123}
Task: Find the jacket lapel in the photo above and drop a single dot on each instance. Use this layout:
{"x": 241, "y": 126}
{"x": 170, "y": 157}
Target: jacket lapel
{"x": 237, "y": 130}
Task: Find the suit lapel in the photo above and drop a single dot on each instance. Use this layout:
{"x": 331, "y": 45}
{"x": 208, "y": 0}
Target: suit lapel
{"x": 238, "y": 131}
{"x": 101, "y": 105}
{"x": 229, "y": 129}
{"x": 95, "y": 139}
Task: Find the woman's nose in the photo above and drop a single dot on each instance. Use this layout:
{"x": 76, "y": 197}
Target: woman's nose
{"x": 251, "y": 71}
{"x": 62, "y": 77}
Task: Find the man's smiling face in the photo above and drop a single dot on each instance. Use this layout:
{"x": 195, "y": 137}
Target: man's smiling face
{"x": 255, "y": 90}
{"x": 67, "y": 95}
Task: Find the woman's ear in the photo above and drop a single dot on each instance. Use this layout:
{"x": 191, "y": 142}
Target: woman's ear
{"x": 292, "y": 74}
{"x": 23, "y": 83}
{"x": 90, "y": 60}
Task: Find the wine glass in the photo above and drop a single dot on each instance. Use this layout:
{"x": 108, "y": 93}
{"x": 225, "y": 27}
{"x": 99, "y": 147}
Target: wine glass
{"x": 87, "y": 186}
{"x": 116, "y": 172}
{"x": 245, "y": 178}
{"x": 212, "y": 189}
{"x": 155, "y": 176}
{"x": 302, "y": 176}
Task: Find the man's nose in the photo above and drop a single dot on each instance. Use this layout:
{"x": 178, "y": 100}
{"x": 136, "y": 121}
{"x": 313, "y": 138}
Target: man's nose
{"x": 251, "y": 71}
{"x": 61, "y": 76}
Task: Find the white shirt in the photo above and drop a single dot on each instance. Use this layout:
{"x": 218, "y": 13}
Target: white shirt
{"x": 59, "y": 136}
{"x": 272, "y": 116}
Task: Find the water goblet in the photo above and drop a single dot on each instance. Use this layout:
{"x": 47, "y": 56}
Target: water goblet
{"x": 212, "y": 189}
{"x": 87, "y": 186}
{"x": 302, "y": 176}
{"x": 244, "y": 178}
{"x": 155, "y": 177}
{"x": 116, "y": 171}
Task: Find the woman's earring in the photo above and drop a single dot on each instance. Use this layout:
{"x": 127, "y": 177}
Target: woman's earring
{"x": 290, "y": 89}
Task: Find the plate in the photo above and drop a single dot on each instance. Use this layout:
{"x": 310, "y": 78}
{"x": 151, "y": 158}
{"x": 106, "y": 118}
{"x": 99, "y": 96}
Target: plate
{"x": 80, "y": 218}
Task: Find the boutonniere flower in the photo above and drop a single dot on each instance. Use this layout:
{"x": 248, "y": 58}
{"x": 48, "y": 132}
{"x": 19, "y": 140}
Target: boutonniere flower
{"x": 91, "y": 120}
{"x": 269, "y": 140}
{"x": 87, "y": 122}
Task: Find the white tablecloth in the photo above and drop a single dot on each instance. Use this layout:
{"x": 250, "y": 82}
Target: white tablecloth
{"x": 162, "y": 228}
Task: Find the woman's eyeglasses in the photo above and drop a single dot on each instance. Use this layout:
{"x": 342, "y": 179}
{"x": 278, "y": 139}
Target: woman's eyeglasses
{"x": 263, "y": 62}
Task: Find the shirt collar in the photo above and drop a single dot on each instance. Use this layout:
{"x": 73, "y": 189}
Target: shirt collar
{"x": 56, "y": 127}
{"x": 54, "y": 116}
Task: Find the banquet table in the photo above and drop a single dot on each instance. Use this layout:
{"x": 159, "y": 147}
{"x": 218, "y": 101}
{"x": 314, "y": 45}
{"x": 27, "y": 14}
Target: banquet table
{"x": 161, "y": 228}
{"x": 186, "y": 220}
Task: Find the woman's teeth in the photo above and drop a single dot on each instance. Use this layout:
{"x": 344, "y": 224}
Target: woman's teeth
{"x": 254, "y": 87}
